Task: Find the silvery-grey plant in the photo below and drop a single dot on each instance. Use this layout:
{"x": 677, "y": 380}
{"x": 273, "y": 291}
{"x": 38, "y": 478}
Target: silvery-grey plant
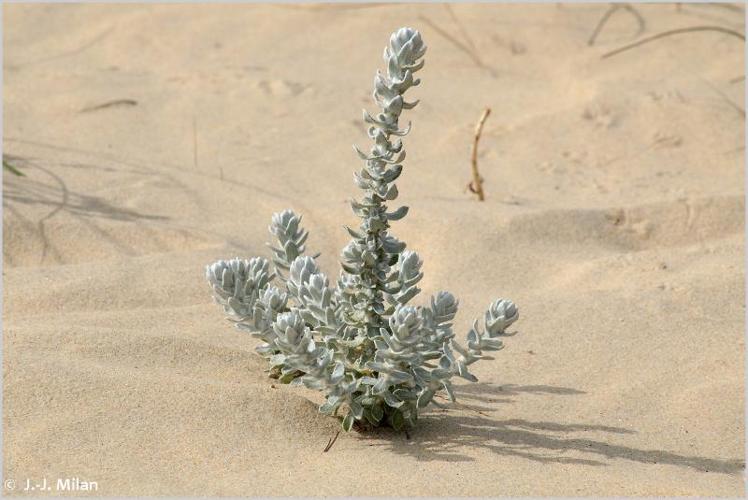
{"x": 377, "y": 358}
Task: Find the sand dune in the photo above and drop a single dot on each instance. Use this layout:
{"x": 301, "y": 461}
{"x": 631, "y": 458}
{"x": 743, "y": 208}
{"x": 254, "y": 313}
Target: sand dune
{"x": 156, "y": 138}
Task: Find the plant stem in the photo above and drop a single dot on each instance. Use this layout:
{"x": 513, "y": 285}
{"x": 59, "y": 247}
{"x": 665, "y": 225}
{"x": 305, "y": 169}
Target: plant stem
{"x": 12, "y": 169}
{"x": 477, "y": 185}
{"x": 678, "y": 31}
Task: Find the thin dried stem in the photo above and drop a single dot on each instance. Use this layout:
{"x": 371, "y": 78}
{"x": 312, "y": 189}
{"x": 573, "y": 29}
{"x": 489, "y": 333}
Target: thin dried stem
{"x": 608, "y": 13}
{"x": 11, "y": 168}
{"x": 678, "y": 31}
{"x": 110, "y": 104}
{"x": 331, "y": 442}
{"x": 476, "y": 186}
{"x": 470, "y": 50}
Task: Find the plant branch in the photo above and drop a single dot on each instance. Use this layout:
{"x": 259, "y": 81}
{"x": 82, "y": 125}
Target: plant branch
{"x": 331, "y": 442}
{"x": 476, "y": 185}
{"x": 608, "y": 13}
{"x": 678, "y": 31}
{"x": 12, "y": 169}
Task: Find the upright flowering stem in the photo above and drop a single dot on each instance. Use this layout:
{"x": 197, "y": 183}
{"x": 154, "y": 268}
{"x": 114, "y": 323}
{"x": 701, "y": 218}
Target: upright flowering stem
{"x": 372, "y": 251}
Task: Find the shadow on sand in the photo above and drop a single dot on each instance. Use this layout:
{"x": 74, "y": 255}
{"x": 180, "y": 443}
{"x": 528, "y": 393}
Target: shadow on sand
{"x": 55, "y": 196}
{"x": 444, "y": 435}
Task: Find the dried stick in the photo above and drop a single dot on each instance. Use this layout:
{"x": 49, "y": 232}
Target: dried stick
{"x": 476, "y": 185}
{"x": 331, "y": 442}
{"x": 608, "y": 13}
{"x": 638, "y": 16}
{"x": 472, "y": 54}
{"x": 664, "y": 34}
{"x": 12, "y": 169}
{"x": 110, "y": 104}
{"x": 613, "y": 7}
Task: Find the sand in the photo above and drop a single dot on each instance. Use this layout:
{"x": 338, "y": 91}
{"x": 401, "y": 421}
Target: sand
{"x": 156, "y": 139}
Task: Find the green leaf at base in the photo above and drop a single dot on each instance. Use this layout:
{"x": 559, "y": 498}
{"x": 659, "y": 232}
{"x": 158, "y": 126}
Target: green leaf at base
{"x": 348, "y": 422}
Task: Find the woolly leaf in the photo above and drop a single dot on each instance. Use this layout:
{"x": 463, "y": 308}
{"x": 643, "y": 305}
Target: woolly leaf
{"x": 377, "y": 412}
{"x": 348, "y": 422}
{"x": 398, "y": 214}
{"x": 396, "y": 420}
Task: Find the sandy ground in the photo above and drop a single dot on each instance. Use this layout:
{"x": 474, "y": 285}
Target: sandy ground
{"x": 156, "y": 139}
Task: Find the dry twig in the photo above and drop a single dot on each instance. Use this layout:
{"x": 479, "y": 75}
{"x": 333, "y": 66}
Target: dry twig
{"x": 608, "y": 13}
{"x": 11, "y": 168}
{"x": 110, "y": 104}
{"x": 678, "y": 31}
{"x": 468, "y": 49}
{"x": 331, "y": 442}
{"x": 476, "y": 185}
